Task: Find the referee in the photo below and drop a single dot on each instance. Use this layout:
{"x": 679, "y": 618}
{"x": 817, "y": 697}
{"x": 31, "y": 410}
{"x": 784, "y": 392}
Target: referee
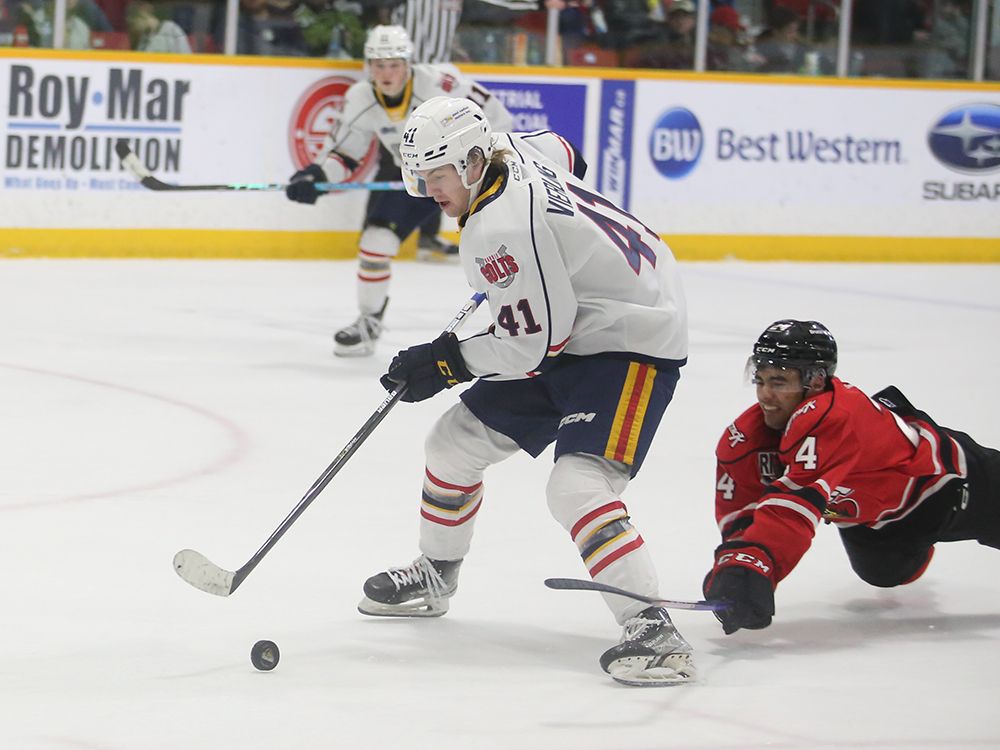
{"x": 431, "y": 25}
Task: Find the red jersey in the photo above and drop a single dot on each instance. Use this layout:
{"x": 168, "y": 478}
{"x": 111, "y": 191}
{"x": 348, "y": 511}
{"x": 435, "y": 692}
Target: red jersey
{"x": 842, "y": 457}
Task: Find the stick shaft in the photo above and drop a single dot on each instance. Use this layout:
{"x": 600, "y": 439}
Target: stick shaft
{"x": 576, "y": 584}
{"x": 149, "y": 181}
{"x": 338, "y": 463}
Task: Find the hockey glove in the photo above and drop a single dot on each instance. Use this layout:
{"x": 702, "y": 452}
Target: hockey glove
{"x": 427, "y": 369}
{"x": 301, "y": 187}
{"x": 743, "y": 575}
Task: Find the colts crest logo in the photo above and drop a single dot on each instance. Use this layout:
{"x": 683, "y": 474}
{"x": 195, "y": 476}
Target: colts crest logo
{"x": 499, "y": 269}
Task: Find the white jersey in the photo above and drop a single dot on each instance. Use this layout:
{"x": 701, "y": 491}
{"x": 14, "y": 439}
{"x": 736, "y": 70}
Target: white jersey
{"x": 565, "y": 272}
{"x": 365, "y": 114}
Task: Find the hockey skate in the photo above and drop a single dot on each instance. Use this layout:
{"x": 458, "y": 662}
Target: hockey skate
{"x": 651, "y": 653}
{"x": 421, "y": 589}
{"x": 433, "y": 248}
{"x": 358, "y": 339}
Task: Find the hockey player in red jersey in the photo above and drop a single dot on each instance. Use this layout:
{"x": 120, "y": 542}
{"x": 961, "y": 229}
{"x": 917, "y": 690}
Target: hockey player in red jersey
{"x": 815, "y": 448}
{"x": 588, "y": 334}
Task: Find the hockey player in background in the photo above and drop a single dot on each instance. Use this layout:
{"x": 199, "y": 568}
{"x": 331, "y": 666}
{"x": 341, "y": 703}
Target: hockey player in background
{"x": 379, "y": 107}
{"x": 815, "y": 448}
{"x": 588, "y": 336}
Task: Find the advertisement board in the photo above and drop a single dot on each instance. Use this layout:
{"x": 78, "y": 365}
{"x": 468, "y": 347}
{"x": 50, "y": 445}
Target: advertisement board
{"x": 188, "y": 123}
{"x": 780, "y": 159}
{"x": 720, "y": 165}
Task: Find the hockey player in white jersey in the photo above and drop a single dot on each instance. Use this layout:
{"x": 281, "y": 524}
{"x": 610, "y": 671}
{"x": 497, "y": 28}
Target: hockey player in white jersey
{"x": 588, "y": 336}
{"x": 378, "y": 107}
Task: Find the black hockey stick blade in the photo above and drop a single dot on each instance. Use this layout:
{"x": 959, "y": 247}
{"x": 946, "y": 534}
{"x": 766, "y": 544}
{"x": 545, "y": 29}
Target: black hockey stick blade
{"x": 146, "y": 178}
{"x": 576, "y": 584}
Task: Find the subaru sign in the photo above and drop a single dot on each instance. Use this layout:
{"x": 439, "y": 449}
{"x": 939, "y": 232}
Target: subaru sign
{"x": 675, "y": 144}
{"x": 967, "y": 138}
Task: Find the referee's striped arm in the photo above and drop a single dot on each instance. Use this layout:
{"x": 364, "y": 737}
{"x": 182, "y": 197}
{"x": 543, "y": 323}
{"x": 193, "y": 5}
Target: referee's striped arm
{"x": 431, "y": 25}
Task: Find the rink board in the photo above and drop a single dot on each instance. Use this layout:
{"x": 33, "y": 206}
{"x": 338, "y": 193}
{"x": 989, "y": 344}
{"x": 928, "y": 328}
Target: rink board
{"x": 720, "y": 165}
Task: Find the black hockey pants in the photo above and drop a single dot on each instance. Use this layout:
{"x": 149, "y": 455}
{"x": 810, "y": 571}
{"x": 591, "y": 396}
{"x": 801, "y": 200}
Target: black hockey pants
{"x": 963, "y": 510}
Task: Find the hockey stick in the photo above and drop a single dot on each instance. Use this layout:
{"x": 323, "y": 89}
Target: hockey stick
{"x": 146, "y": 178}
{"x": 576, "y": 584}
{"x": 203, "y": 574}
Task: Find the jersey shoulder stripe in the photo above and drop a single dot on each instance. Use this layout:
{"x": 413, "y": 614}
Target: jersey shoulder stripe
{"x": 808, "y": 495}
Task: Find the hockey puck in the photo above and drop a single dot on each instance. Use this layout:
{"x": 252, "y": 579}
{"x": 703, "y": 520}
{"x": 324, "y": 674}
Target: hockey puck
{"x": 265, "y": 655}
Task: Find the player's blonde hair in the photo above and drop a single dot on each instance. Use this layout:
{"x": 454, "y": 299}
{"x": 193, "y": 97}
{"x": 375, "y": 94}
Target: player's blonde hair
{"x": 498, "y": 156}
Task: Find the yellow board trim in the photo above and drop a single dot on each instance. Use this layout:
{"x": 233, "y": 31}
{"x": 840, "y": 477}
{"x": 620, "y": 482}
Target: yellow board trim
{"x": 184, "y": 243}
{"x": 341, "y": 245}
{"x": 835, "y": 248}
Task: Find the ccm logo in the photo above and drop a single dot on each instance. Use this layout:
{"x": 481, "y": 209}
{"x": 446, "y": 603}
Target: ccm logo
{"x": 581, "y": 417}
{"x": 744, "y": 558}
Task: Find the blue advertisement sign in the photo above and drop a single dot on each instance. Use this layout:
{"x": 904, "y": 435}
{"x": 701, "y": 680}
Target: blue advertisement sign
{"x": 614, "y": 149}
{"x": 560, "y": 107}
{"x": 675, "y": 144}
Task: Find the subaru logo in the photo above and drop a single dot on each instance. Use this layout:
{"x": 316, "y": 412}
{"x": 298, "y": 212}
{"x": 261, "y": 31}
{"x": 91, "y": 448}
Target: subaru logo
{"x": 967, "y": 139}
{"x": 675, "y": 143}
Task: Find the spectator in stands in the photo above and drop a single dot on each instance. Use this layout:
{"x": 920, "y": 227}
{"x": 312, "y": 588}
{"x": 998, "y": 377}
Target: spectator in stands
{"x": 728, "y": 44}
{"x": 949, "y": 40}
{"x": 266, "y": 29}
{"x": 673, "y": 46}
{"x": 993, "y": 57}
{"x": 8, "y": 15}
{"x": 149, "y": 33}
{"x": 576, "y": 25}
{"x": 331, "y": 29}
{"x": 628, "y": 23}
{"x": 782, "y": 49}
{"x": 82, "y": 17}
{"x": 888, "y": 22}
{"x": 818, "y": 16}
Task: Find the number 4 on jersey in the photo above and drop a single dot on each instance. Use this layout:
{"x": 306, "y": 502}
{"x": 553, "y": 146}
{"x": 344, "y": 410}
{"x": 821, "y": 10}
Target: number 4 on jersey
{"x": 726, "y": 486}
{"x": 806, "y": 454}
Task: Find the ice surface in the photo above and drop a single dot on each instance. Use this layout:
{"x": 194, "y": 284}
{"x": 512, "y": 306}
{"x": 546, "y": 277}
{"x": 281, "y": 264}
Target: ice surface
{"x": 149, "y": 406}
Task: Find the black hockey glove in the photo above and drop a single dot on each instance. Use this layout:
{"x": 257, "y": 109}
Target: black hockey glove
{"x": 427, "y": 369}
{"x": 743, "y": 575}
{"x": 301, "y": 187}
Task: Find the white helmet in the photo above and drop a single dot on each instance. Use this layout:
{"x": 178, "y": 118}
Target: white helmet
{"x": 443, "y": 130}
{"x": 388, "y": 43}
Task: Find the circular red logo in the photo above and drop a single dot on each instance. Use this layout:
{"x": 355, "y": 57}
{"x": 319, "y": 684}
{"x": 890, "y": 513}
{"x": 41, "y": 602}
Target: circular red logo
{"x": 313, "y": 116}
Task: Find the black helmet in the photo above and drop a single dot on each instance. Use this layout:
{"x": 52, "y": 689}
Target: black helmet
{"x": 803, "y": 345}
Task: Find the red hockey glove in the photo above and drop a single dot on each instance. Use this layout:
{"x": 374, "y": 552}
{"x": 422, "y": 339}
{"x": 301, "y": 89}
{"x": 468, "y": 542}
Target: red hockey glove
{"x": 301, "y": 187}
{"x": 427, "y": 369}
{"x": 743, "y": 575}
